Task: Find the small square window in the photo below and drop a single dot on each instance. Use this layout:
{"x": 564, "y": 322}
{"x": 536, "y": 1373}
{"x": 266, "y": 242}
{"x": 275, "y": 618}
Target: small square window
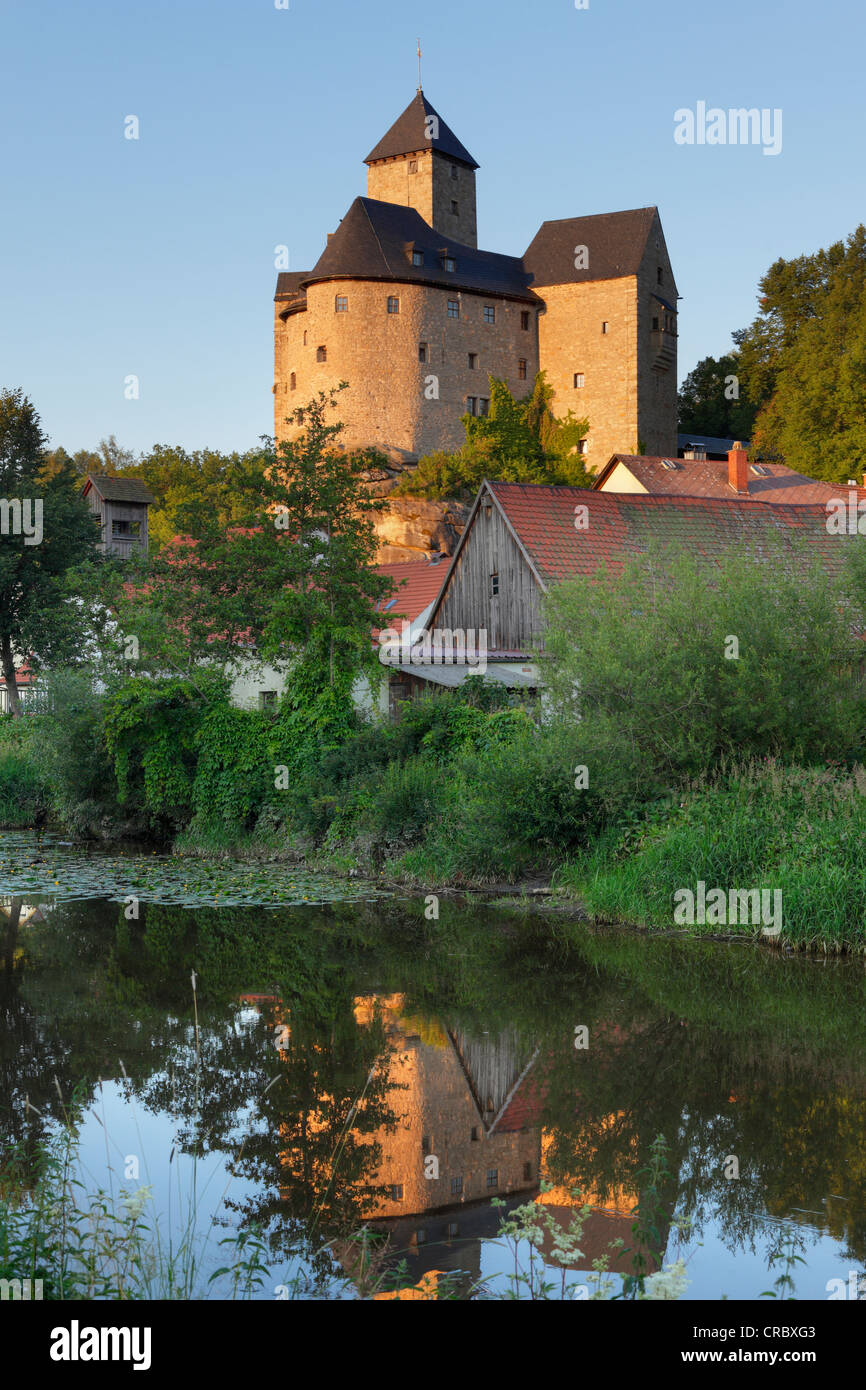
{"x": 521, "y": 369}
{"x": 126, "y": 528}
{"x": 454, "y": 308}
{"x": 341, "y": 304}
{"x": 492, "y": 1177}
{"x": 267, "y": 699}
{"x": 489, "y": 313}
{"x": 413, "y": 166}
{"x": 581, "y": 446}
{"x": 393, "y": 304}
{"x": 321, "y": 354}
{"x": 483, "y": 406}
{"x": 524, "y": 320}
{"x": 471, "y": 405}
{"x": 452, "y": 1230}
{"x": 417, "y": 257}
{"x": 494, "y": 585}
{"x": 397, "y": 1192}
{"x": 578, "y": 380}
{"x": 455, "y": 207}
{"x": 456, "y": 1187}
{"x": 473, "y": 360}
{"x": 422, "y": 352}
{"x": 449, "y": 263}
{"x": 605, "y": 326}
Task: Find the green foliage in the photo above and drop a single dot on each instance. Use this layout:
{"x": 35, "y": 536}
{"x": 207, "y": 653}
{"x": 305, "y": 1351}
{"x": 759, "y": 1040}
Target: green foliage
{"x": 233, "y": 770}
{"x": 22, "y": 790}
{"x": 39, "y": 615}
{"x": 706, "y": 403}
{"x": 520, "y": 441}
{"x": 803, "y": 360}
{"x": 644, "y": 660}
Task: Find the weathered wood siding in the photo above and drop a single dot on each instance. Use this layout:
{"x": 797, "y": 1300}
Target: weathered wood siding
{"x": 511, "y": 617}
{"x": 109, "y": 512}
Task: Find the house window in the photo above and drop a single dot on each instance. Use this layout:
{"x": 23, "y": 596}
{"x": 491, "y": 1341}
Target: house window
{"x": 492, "y": 1177}
{"x": 524, "y": 320}
{"x": 473, "y": 360}
{"x": 581, "y": 446}
{"x": 449, "y": 263}
{"x": 126, "y": 528}
{"x": 489, "y": 313}
{"x": 413, "y": 166}
{"x": 341, "y": 304}
{"x": 267, "y": 699}
{"x": 578, "y": 380}
{"x": 422, "y": 352}
{"x": 454, "y": 308}
{"x": 453, "y": 1230}
{"x": 417, "y": 257}
{"x": 605, "y": 326}
{"x": 397, "y": 1192}
{"x": 393, "y": 304}
{"x": 521, "y": 368}
{"x": 454, "y": 171}
{"x": 494, "y": 585}
{"x": 659, "y": 280}
{"x": 472, "y": 405}
{"x": 455, "y": 209}
{"x": 293, "y": 382}
{"x": 321, "y": 354}
{"x": 483, "y": 406}
{"x": 456, "y": 1187}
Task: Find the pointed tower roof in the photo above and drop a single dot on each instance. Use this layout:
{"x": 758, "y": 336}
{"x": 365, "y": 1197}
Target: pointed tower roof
{"x": 409, "y": 133}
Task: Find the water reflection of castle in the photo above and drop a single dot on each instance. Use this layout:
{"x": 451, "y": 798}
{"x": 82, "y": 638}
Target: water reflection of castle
{"x": 468, "y": 1111}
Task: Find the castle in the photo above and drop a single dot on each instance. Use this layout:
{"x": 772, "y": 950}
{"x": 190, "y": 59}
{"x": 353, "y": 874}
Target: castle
{"x": 404, "y": 307}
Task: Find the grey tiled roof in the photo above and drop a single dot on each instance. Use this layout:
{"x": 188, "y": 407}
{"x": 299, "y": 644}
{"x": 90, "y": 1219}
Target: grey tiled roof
{"x": 408, "y": 134}
{"x": 120, "y": 489}
{"x": 615, "y": 241}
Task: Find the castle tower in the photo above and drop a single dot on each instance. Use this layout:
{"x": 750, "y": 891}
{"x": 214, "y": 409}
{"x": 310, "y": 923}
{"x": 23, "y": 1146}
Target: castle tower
{"x": 421, "y": 164}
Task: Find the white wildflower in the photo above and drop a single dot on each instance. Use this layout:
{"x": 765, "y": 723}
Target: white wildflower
{"x": 669, "y": 1283}
{"x": 136, "y": 1203}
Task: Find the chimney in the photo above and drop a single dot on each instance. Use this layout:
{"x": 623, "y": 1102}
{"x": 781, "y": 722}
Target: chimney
{"x": 738, "y": 466}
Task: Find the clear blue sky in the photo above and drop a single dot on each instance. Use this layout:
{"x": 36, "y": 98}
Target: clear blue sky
{"x": 156, "y": 257}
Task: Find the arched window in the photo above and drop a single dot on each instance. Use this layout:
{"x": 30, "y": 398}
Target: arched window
{"x": 293, "y": 382}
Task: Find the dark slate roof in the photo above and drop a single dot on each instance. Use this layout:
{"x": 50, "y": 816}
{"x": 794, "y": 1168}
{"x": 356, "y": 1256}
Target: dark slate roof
{"x": 408, "y": 135}
{"x": 615, "y": 240}
{"x": 374, "y": 242}
{"x": 118, "y": 489}
{"x": 624, "y": 524}
{"x": 711, "y": 442}
{"x": 289, "y": 282}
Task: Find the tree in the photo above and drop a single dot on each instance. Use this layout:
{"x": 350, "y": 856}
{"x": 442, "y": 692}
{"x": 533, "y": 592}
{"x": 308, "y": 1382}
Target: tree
{"x": 803, "y": 360}
{"x": 46, "y": 532}
{"x": 288, "y": 579}
{"x": 520, "y": 441}
{"x": 711, "y": 402}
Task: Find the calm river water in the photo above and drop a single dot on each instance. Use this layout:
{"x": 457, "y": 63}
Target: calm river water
{"x": 359, "y": 1065}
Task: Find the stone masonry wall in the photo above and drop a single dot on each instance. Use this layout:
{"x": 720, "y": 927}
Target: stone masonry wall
{"x": 430, "y": 192}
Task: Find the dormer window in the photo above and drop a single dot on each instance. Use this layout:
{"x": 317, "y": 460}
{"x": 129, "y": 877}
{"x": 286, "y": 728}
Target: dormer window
{"x": 341, "y": 304}
{"x": 449, "y": 263}
{"x": 393, "y": 304}
{"x": 417, "y": 257}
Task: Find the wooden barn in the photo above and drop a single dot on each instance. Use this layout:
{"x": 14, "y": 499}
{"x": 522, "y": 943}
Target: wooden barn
{"x": 521, "y": 539}
{"x": 121, "y": 505}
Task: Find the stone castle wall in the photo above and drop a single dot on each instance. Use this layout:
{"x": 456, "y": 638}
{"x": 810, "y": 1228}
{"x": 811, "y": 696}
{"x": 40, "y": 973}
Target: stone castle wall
{"x": 391, "y": 400}
{"x": 657, "y": 389}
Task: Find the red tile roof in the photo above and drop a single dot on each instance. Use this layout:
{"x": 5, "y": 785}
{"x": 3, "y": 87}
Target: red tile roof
{"x": 418, "y": 583}
{"x": 709, "y": 478}
{"x": 621, "y": 525}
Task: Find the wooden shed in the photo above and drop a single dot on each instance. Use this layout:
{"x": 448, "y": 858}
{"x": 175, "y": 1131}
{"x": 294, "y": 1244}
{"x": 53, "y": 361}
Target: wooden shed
{"x": 121, "y": 505}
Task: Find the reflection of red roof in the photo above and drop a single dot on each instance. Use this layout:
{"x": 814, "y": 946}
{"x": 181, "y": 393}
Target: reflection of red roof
{"x": 523, "y": 1110}
{"x": 418, "y": 583}
{"x": 709, "y": 478}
